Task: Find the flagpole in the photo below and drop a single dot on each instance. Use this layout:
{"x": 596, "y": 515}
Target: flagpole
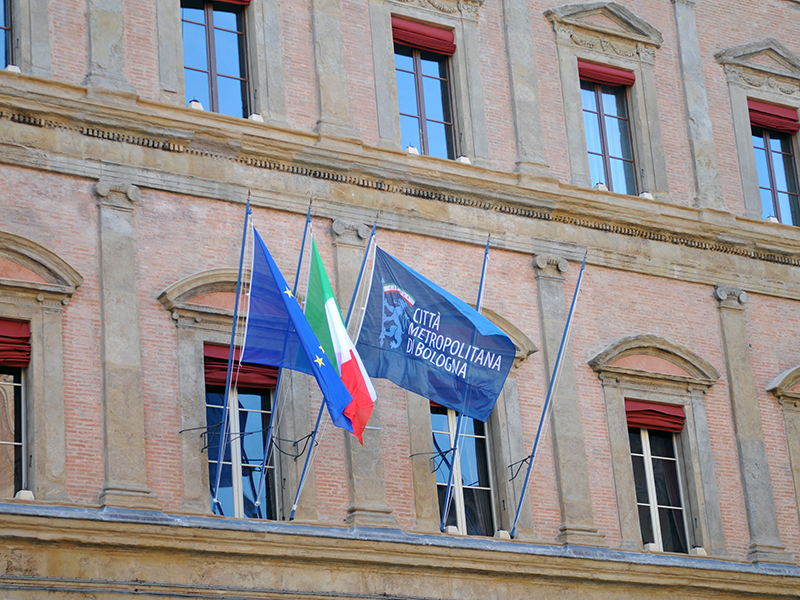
{"x": 268, "y": 440}
{"x": 454, "y": 450}
{"x": 322, "y": 406}
{"x": 550, "y": 390}
{"x": 224, "y": 435}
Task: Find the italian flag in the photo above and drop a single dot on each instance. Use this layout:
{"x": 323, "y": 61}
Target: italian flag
{"x": 325, "y": 319}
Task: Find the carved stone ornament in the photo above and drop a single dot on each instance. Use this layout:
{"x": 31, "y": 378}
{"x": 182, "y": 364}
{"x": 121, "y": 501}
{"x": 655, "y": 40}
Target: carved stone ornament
{"x": 541, "y": 262}
{"x": 467, "y": 8}
{"x": 606, "y": 27}
{"x": 730, "y": 296}
{"x": 766, "y": 64}
{"x": 117, "y": 194}
{"x": 781, "y": 387}
{"x": 349, "y": 233}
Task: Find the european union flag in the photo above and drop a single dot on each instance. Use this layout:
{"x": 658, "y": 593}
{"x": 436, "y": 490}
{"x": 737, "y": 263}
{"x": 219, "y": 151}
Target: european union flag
{"x": 427, "y": 341}
{"x": 278, "y": 334}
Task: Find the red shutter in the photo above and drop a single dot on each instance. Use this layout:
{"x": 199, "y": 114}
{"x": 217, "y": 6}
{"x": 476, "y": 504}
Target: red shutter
{"x": 250, "y": 375}
{"x": 15, "y": 344}
{"x": 423, "y": 37}
{"x": 239, "y": 2}
{"x": 648, "y": 415}
{"x": 769, "y": 116}
{"x": 604, "y": 75}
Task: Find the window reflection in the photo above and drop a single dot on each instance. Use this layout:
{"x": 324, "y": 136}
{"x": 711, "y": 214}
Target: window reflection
{"x": 777, "y": 175}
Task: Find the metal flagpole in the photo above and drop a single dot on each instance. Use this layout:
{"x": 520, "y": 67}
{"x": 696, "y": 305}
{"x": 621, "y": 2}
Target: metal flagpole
{"x": 550, "y": 390}
{"x": 322, "y": 406}
{"x": 224, "y": 435}
{"x": 454, "y": 449}
{"x": 268, "y": 440}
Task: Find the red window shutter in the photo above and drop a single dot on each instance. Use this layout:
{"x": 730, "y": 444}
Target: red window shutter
{"x": 770, "y": 116}
{"x": 15, "y": 343}
{"x": 250, "y": 375}
{"x": 423, "y": 37}
{"x": 604, "y": 75}
{"x": 239, "y": 2}
{"x": 649, "y": 415}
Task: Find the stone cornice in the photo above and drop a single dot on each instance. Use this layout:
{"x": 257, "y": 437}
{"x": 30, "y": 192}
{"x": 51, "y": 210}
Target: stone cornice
{"x": 232, "y": 147}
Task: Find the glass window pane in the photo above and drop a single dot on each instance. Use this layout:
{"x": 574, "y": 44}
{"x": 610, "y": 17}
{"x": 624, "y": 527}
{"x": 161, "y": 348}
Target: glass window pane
{"x": 436, "y": 99}
{"x": 758, "y": 137}
{"x": 7, "y": 470}
{"x": 588, "y": 97}
{"x": 409, "y": 132}
{"x": 478, "y": 512}
{"x": 794, "y": 202}
{"x": 7, "y": 412}
{"x": 469, "y": 461}
{"x": 597, "y": 169}
{"x": 403, "y": 57}
{"x": 251, "y": 478}
{"x": 787, "y": 168}
{"x": 591, "y": 123}
{"x": 613, "y": 99}
{"x": 252, "y": 431}
{"x": 228, "y": 48}
{"x": 780, "y": 142}
{"x": 665, "y": 474}
{"x": 786, "y": 209}
{"x": 433, "y": 65}
{"x": 197, "y": 87}
{"x": 640, "y": 479}
{"x": 622, "y": 178}
{"x": 661, "y": 443}
{"x": 192, "y": 10}
{"x": 440, "y": 140}
{"x": 250, "y": 400}
{"x": 635, "y": 439}
{"x": 226, "y": 17}
{"x": 451, "y": 516}
{"x": 673, "y": 533}
{"x": 618, "y": 138}
{"x": 407, "y": 94}
{"x": 439, "y": 419}
{"x": 761, "y": 168}
{"x": 232, "y": 96}
{"x": 767, "y": 205}
{"x": 646, "y": 525}
{"x": 3, "y": 19}
{"x": 442, "y": 458}
{"x": 225, "y": 493}
{"x": 195, "y": 54}
{"x": 779, "y": 171}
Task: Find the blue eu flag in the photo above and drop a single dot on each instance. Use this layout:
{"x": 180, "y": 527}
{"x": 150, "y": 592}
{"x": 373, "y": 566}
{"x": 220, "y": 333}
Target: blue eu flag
{"x": 429, "y": 342}
{"x": 278, "y": 333}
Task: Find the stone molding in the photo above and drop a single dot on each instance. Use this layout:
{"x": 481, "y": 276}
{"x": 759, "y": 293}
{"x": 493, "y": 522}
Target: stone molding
{"x": 61, "y": 277}
{"x": 740, "y": 67}
{"x": 730, "y": 297}
{"x": 637, "y": 31}
{"x": 346, "y": 232}
{"x": 781, "y": 387}
{"x": 467, "y": 8}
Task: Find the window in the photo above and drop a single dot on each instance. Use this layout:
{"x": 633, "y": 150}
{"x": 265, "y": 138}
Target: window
{"x": 5, "y": 33}
{"x": 659, "y": 491}
{"x": 13, "y": 475}
{"x": 608, "y": 132}
{"x": 471, "y": 510}
{"x": 423, "y": 87}
{"x": 772, "y": 128}
{"x": 215, "y": 71}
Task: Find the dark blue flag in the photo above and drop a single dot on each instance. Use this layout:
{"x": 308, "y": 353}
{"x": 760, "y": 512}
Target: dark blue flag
{"x": 427, "y": 341}
{"x": 278, "y": 334}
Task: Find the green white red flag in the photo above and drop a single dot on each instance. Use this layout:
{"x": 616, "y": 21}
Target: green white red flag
{"x": 326, "y": 321}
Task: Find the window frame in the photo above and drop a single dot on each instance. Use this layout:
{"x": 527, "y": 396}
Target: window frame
{"x": 211, "y": 57}
{"x": 773, "y": 185}
{"x": 20, "y": 426}
{"x": 8, "y": 30}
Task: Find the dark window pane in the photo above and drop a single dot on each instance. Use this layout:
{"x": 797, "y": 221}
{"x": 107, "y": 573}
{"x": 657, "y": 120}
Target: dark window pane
{"x": 597, "y": 169}
{"x": 197, "y": 87}
{"x": 407, "y": 94}
{"x": 779, "y": 170}
{"x": 214, "y": 431}
{"x": 673, "y": 533}
{"x": 232, "y": 96}
{"x": 786, "y": 209}
{"x": 228, "y": 50}
{"x": 439, "y": 143}
{"x": 439, "y": 419}
{"x": 478, "y": 512}
{"x": 661, "y": 443}
{"x": 8, "y": 410}
{"x": 252, "y": 426}
{"x": 7, "y": 469}
{"x": 622, "y": 180}
{"x": 758, "y": 137}
{"x": 613, "y": 101}
{"x": 592, "y": 125}
{"x": 588, "y": 96}
{"x": 436, "y": 100}
{"x": 433, "y": 65}
{"x": 195, "y": 54}
{"x": 409, "y": 132}
{"x": 665, "y": 474}
{"x": 787, "y": 168}
{"x": 403, "y": 58}
{"x": 442, "y": 458}
{"x": 251, "y": 477}
{"x": 761, "y": 168}
{"x": 767, "y": 205}
{"x": 451, "y": 516}
{"x": 639, "y": 479}
{"x": 225, "y": 492}
{"x": 619, "y": 138}
{"x": 474, "y": 467}
{"x": 780, "y": 142}
{"x": 646, "y": 525}
{"x": 635, "y": 439}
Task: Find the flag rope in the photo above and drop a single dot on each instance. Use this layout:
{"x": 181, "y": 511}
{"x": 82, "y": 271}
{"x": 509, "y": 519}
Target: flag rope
{"x": 551, "y": 389}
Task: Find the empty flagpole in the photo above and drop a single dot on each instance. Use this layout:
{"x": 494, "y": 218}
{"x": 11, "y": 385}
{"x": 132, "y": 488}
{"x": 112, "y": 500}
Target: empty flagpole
{"x": 322, "y": 406}
{"x": 224, "y": 435}
{"x": 454, "y": 450}
{"x": 550, "y": 390}
{"x": 268, "y": 440}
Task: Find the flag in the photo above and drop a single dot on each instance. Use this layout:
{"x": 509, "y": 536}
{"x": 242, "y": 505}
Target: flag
{"x": 427, "y": 341}
{"x": 278, "y": 334}
{"x": 325, "y": 319}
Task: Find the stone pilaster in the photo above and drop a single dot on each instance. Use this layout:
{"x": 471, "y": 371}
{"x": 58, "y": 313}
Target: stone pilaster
{"x": 762, "y": 520}
{"x": 125, "y": 473}
{"x": 368, "y": 506}
{"x": 572, "y": 471}
{"x": 698, "y": 117}
{"x": 329, "y": 58}
{"x": 528, "y": 133}
{"x": 33, "y": 51}
{"x": 106, "y": 52}
{"x": 789, "y": 401}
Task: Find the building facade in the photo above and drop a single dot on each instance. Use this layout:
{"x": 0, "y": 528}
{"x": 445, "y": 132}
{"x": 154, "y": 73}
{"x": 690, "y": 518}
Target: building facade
{"x": 656, "y": 138}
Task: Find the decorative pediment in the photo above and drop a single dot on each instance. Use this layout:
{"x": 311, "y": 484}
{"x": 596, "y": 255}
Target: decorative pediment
{"x": 653, "y": 357}
{"x": 467, "y": 8}
{"x": 522, "y": 343}
{"x": 606, "y": 19}
{"x": 25, "y": 266}
{"x": 786, "y": 388}
{"x": 205, "y": 299}
{"x": 767, "y": 57}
